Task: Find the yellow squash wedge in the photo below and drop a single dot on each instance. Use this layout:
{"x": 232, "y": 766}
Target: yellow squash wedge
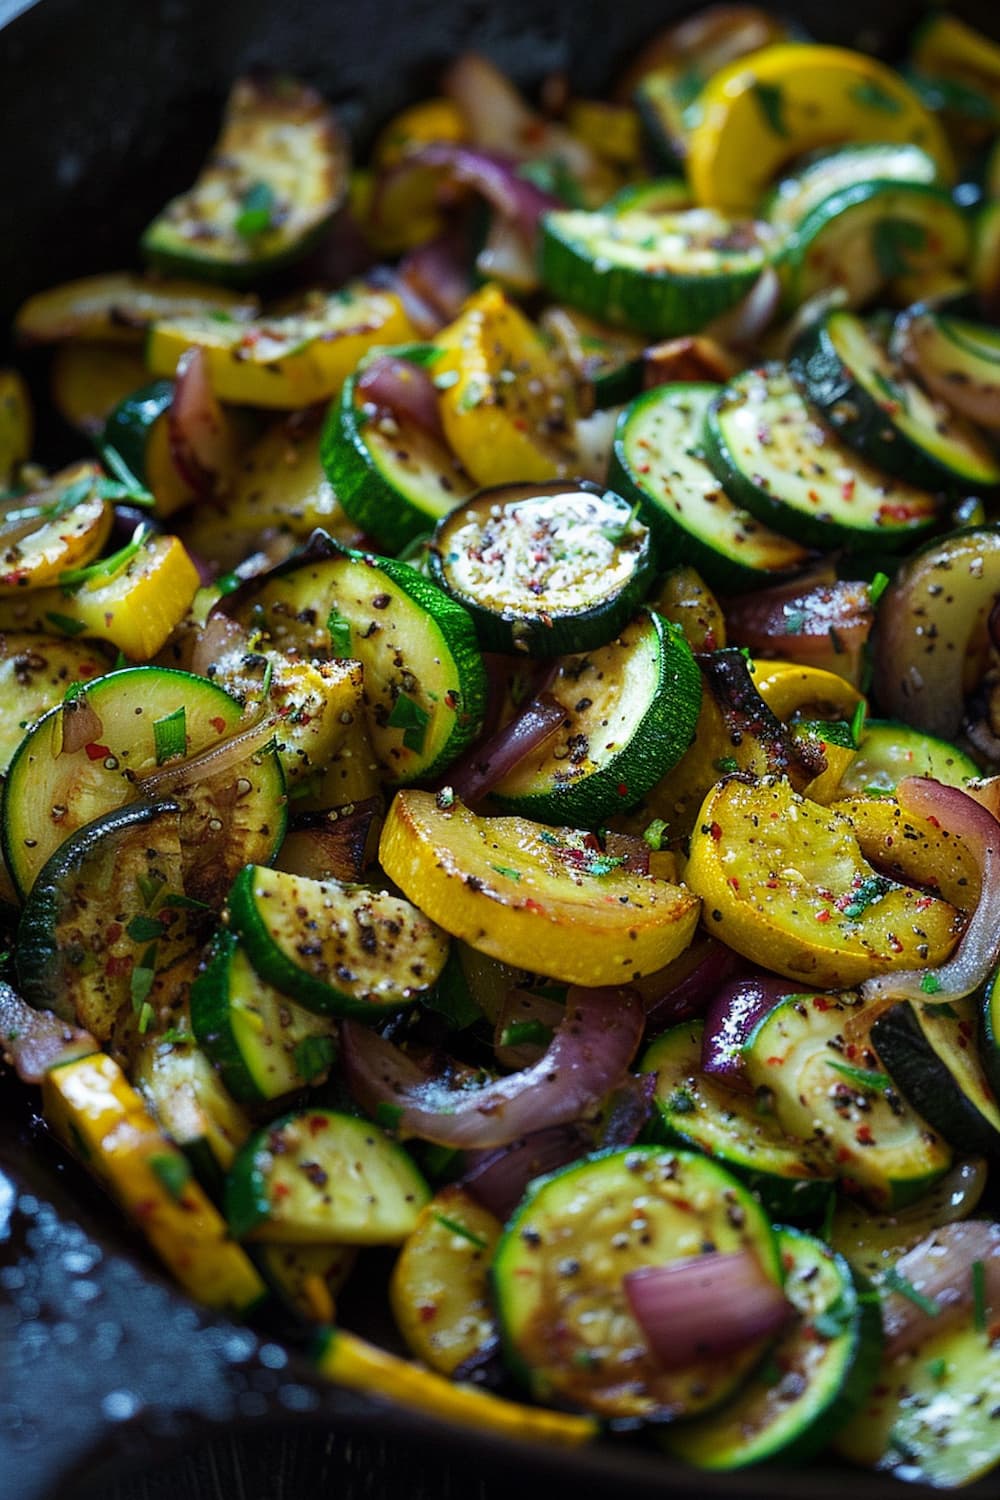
{"x": 506, "y": 404}
{"x": 118, "y": 306}
{"x": 290, "y": 360}
{"x": 88, "y": 380}
{"x": 94, "y": 1110}
{"x": 352, "y": 1362}
{"x": 35, "y": 671}
{"x": 912, "y": 849}
{"x": 792, "y": 691}
{"x": 760, "y": 112}
{"x": 440, "y": 1287}
{"x": 134, "y": 609}
{"x": 785, "y": 883}
{"x": 535, "y": 897}
{"x": 47, "y": 531}
{"x": 16, "y": 424}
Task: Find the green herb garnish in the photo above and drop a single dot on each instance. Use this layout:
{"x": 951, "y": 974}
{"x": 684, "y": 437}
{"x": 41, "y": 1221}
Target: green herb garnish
{"x": 412, "y": 718}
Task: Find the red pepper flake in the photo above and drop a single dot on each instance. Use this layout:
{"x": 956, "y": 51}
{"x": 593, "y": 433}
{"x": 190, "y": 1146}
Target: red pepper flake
{"x": 933, "y": 821}
{"x": 622, "y": 789}
{"x": 734, "y": 881}
{"x": 97, "y": 752}
{"x": 772, "y": 884}
{"x": 820, "y": 1002}
{"x": 117, "y": 966}
{"x": 843, "y": 1154}
{"x": 219, "y": 725}
{"x": 775, "y": 1062}
{"x": 894, "y": 942}
{"x": 715, "y": 830}
{"x": 280, "y": 1190}
{"x": 530, "y": 905}
{"x": 813, "y": 495}
{"x": 710, "y": 641}
{"x": 113, "y": 932}
{"x": 318, "y": 1123}
{"x": 863, "y": 1135}
{"x": 427, "y": 1312}
{"x": 847, "y": 489}
{"x": 823, "y": 915}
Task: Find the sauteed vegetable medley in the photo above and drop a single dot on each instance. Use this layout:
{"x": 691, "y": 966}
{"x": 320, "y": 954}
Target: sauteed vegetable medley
{"x": 501, "y": 741}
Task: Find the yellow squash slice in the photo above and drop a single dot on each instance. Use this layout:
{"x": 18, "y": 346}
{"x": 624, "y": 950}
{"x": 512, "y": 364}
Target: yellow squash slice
{"x": 760, "y": 112}
{"x": 539, "y": 898}
{"x": 785, "y": 883}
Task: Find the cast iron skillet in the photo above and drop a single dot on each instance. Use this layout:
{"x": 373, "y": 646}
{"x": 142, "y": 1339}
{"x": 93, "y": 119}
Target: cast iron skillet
{"x": 107, "y": 109}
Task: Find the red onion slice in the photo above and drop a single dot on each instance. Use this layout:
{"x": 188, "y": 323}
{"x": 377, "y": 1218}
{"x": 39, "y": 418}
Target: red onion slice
{"x": 705, "y": 1307}
{"x": 742, "y": 326}
{"x": 438, "y": 274}
{"x": 498, "y": 1178}
{"x": 403, "y": 389}
{"x": 684, "y": 987}
{"x": 33, "y": 1041}
{"x": 625, "y": 1113}
{"x": 475, "y": 776}
{"x": 201, "y": 440}
{"x": 732, "y": 1014}
{"x": 492, "y": 175}
{"x": 979, "y": 948}
{"x": 499, "y": 119}
{"x": 819, "y": 625}
{"x": 79, "y": 724}
{"x": 939, "y": 1270}
{"x": 590, "y": 1052}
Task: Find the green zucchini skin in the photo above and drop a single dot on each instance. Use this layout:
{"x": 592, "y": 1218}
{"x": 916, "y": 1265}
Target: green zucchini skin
{"x": 261, "y": 1042}
{"x": 577, "y": 1233}
{"x": 426, "y": 683}
{"x": 396, "y": 483}
{"x": 774, "y": 458}
{"x": 793, "y": 1409}
{"x": 317, "y": 1176}
{"x": 990, "y": 1018}
{"x": 61, "y": 931}
{"x": 594, "y": 261}
{"x": 127, "y": 428}
{"x": 890, "y": 750}
{"x": 339, "y": 950}
{"x": 658, "y": 462}
{"x": 701, "y": 1114}
{"x": 876, "y": 409}
{"x": 796, "y": 195}
{"x": 613, "y": 574}
{"x": 845, "y": 1105}
{"x": 579, "y": 778}
{"x": 932, "y": 1056}
{"x": 258, "y": 204}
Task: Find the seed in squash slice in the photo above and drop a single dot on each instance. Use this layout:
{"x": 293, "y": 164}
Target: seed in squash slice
{"x": 539, "y": 898}
{"x": 784, "y": 882}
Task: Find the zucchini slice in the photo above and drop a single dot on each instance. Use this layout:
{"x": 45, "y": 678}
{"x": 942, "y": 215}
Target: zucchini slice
{"x": 96, "y": 1113}
{"x": 440, "y": 1288}
{"x": 792, "y": 199}
{"x": 118, "y": 306}
{"x": 393, "y": 477}
{"x": 867, "y": 234}
{"x": 544, "y": 568}
{"x": 775, "y": 458}
{"x": 819, "y": 1372}
{"x": 606, "y": 361}
{"x": 290, "y": 360}
{"x": 131, "y": 722}
{"x": 138, "y": 431}
{"x": 263, "y": 1044}
{"x": 336, "y": 949}
{"x": 662, "y": 273}
{"x": 104, "y": 915}
{"x": 874, "y": 407}
{"x": 318, "y": 1177}
{"x": 307, "y": 1278}
{"x": 187, "y": 1096}
{"x": 541, "y": 899}
{"x": 87, "y": 381}
{"x": 566, "y": 1328}
{"x": 931, "y": 1053}
{"x": 958, "y": 360}
{"x": 274, "y": 180}
{"x": 890, "y": 750}
{"x": 630, "y": 709}
{"x": 658, "y": 460}
{"x": 833, "y": 1092}
{"x": 785, "y": 883}
{"x": 699, "y": 1112}
{"x": 425, "y": 684}
{"x": 35, "y": 672}
{"x": 930, "y": 1416}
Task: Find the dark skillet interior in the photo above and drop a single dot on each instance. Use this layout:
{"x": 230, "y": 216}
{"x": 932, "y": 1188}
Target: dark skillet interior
{"x": 107, "y": 110}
